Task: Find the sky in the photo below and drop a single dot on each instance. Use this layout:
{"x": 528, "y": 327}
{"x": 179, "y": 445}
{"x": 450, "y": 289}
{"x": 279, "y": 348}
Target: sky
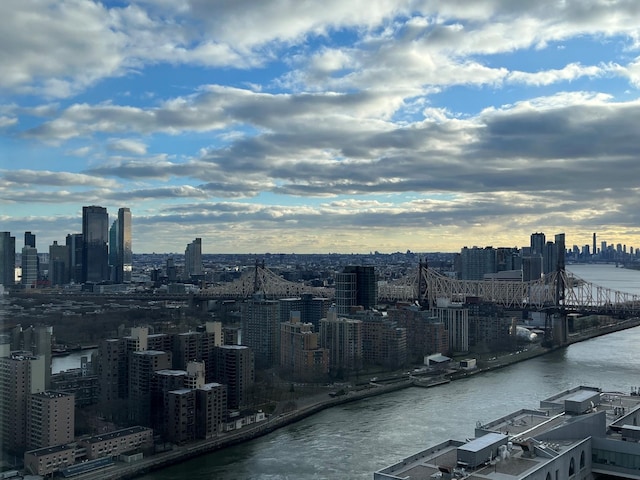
{"x": 293, "y": 126}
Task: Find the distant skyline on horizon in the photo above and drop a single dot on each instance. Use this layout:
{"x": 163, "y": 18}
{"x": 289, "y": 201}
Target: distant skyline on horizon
{"x": 40, "y": 241}
{"x": 297, "y": 127}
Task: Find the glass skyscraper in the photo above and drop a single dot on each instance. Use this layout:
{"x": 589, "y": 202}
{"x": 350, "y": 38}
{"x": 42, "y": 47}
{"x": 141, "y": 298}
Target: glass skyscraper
{"x": 95, "y": 253}
{"x": 7, "y": 259}
{"x": 124, "y": 254}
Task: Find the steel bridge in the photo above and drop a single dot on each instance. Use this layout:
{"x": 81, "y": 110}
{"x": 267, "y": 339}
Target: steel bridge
{"x": 558, "y": 290}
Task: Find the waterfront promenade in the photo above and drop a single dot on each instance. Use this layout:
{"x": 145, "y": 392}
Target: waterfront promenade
{"x": 310, "y": 405}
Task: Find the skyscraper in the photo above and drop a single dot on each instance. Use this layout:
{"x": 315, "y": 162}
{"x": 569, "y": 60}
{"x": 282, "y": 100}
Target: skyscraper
{"x": 75, "y": 244}
{"x": 7, "y": 259}
{"x": 193, "y": 259}
{"x": 29, "y": 266}
{"x": 476, "y": 262}
{"x": 356, "y": 286}
{"x": 261, "y": 329}
{"x": 125, "y": 253}
{"x": 235, "y": 369}
{"x": 95, "y": 254}
{"x": 59, "y": 271}
{"x": 113, "y": 250}
{"x": 538, "y": 241}
{"x": 29, "y": 239}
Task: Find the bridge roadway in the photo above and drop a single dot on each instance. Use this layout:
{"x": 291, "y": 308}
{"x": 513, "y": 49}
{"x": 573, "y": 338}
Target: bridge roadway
{"x": 558, "y": 290}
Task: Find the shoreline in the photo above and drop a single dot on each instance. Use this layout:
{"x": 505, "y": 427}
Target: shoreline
{"x": 185, "y": 452}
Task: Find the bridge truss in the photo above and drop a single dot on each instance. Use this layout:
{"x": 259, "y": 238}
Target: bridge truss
{"x": 556, "y": 290}
{"x": 426, "y": 285}
{"x": 261, "y": 279}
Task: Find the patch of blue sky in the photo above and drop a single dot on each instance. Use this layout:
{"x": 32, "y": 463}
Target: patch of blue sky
{"x": 586, "y": 50}
{"x": 18, "y": 154}
{"x": 466, "y": 101}
{"x": 156, "y": 84}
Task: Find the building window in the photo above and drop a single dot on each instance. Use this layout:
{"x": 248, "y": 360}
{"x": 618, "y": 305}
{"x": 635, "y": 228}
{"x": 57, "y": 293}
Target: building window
{"x": 572, "y": 467}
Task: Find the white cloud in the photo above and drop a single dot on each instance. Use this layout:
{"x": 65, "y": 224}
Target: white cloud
{"x": 127, "y": 145}
{"x": 569, "y": 73}
{"x": 7, "y": 121}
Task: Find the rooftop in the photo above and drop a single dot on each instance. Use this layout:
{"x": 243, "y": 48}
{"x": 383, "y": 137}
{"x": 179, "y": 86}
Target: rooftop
{"x": 535, "y": 440}
{"x": 116, "y": 434}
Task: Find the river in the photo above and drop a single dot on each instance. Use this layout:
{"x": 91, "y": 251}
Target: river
{"x": 354, "y": 440}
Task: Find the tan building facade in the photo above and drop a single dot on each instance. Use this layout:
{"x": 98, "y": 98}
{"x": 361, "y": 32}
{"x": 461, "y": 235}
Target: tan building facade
{"x": 114, "y": 443}
{"x": 300, "y": 353}
{"x": 46, "y": 461}
{"x": 21, "y": 374}
{"x": 50, "y": 419}
{"x": 343, "y": 338}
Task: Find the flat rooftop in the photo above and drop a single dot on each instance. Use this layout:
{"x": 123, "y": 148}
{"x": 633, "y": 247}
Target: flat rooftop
{"x": 116, "y": 434}
{"x": 525, "y": 430}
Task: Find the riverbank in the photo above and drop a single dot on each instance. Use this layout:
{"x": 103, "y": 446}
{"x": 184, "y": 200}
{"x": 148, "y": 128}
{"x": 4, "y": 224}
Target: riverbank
{"x": 314, "y": 404}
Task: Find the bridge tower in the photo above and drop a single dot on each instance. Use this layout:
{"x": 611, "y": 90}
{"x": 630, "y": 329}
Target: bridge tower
{"x": 422, "y": 288}
{"x": 256, "y": 281}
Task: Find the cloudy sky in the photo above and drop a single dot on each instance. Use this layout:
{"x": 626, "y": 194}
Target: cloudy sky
{"x": 322, "y": 126}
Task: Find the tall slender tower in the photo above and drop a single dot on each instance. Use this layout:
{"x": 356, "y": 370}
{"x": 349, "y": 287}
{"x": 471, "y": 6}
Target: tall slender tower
{"x": 59, "y": 264}
{"x": 124, "y": 260}
{"x": 29, "y": 266}
{"x": 594, "y": 245}
{"x": 538, "y": 241}
{"x": 7, "y": 259}
{"x": 75, "y": 244}
{"x": 193, "y": 259}
{"x": 95, "y": 254}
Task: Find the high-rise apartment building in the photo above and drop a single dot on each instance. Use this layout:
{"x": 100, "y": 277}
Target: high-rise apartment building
{"x": 211, "y": 409}
{"x": 538, "y": 241}
{"x": 193, "y": 260}
{"x": 549, "y": 258}
{"x": 7, "y": 259}
{"x": 50, "y": 419}
{"x": 261, "y": 329}
{"x": 37, "y": 340}
{"x": 21, "y": 374}
{"x": 181, "y": 424}
{"x": 356, "y": 286}
{"x": 531, "y": 268}
{"x": 476, "y": 262}
{"x": 343, "y": 338}
{"x": 426, "y": 334}
{"x": 59, "y": 264}
{"x": 95, "y": 253}
{"x": 383, "y": 342}
{"x": 300, "y": 353}
{"x": 235, "y": 369}
{"x": 141, "y": 368}
{"x": 312, "y": 309}
{"x": 455, "y": 316}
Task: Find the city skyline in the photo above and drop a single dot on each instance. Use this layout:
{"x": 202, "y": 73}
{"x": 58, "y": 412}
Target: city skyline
{"x": 336, "y": 127}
